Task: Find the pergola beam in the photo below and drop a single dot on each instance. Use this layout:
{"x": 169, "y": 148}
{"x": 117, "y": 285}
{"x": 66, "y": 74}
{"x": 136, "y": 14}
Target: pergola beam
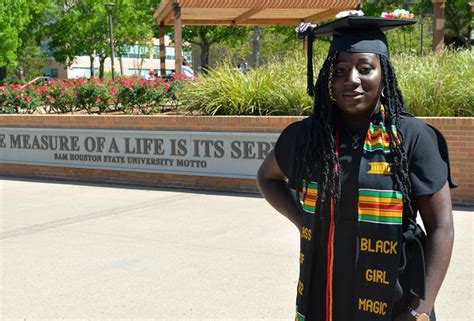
{"x": 280, "y": 4}
{"x": 249, "y": 22}
{"x": 322, "y": 15}
{"x": 240, "y": 19}
{"x": 163, "y": 15}
{"x": 239, "y": 12}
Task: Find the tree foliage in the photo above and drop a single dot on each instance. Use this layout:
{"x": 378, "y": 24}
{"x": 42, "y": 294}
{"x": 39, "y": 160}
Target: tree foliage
{"x": 21, "y": 24}
{"x": 80, "y": 27}
{"x": 206, "y": 36}
{"x": 13, "y": 19}
{"x": 459, "y": 16}
{"x": 457, "y": 12}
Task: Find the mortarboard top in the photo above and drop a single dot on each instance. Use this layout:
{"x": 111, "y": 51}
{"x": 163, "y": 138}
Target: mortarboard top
{"x": 360, "y": 34}
{"x": 349, "y": 23}
{"x": 352, "y": 34}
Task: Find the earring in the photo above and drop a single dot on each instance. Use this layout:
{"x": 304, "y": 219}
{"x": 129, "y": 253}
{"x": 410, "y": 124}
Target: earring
{"x": 330, "y": 91}
{"x": 383, "y": 92}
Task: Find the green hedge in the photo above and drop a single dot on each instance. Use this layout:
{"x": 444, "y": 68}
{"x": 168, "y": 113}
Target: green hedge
{"x": 433, "y": 85}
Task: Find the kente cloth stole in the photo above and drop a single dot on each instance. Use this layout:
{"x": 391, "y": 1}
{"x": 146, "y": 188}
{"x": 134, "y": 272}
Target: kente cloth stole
{"x": 379, "y": 234}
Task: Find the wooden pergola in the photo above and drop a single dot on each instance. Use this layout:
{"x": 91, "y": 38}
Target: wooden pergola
{"x": 240, "y": 12}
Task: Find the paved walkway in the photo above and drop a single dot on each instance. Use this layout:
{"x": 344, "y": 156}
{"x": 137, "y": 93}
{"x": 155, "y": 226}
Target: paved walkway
{"x": 92, "y": 252}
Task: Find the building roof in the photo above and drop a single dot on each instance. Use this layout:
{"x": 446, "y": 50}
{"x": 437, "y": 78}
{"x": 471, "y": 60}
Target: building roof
{"x": 251, "y": 12}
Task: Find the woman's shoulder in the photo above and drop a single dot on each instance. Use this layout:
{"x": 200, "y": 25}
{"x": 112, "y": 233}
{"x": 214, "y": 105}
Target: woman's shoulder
{"x": 412, "y": 125}
{"x": 287, "y": 146}
{"x": 414, "y": 129}
{"x": 427, "y": 154}
{"x": 295, "y": 130}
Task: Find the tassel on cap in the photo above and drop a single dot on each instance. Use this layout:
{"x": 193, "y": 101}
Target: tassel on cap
{"x": 306, "y": 30}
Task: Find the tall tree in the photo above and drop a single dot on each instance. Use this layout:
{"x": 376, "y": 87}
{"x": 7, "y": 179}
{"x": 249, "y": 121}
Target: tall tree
{"x": 80, "y": 27}
{"x": 31, "y": 56}
{"x": 31, "y": 61}
{"x": 459, "y": 15}
{"x": 21, "y": 30}
{"x": 138, "y": 14}
{"x": 14, "y": 17}
{"x": 256, "y": 46}
{"x": 205, "y": 36}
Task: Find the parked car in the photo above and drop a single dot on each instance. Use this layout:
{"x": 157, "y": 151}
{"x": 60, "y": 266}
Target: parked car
{"x": 36, "y": 80}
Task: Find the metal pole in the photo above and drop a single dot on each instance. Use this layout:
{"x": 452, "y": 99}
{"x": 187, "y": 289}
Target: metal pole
{"x": 108, "y": 7}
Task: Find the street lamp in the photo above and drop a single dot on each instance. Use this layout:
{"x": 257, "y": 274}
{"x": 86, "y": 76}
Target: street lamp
{"x": 108, "y": 7}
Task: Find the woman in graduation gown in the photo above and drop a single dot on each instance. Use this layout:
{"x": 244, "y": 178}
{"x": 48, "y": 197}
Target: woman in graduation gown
{"x": 352, "y": 178}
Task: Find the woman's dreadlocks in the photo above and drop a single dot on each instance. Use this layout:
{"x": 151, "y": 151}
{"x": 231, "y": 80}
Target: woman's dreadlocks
{"x": 316, "y": 157}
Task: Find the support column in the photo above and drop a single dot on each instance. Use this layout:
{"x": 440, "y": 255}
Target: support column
{"x": 178, "y": 37}
{"x": 438, "y": 25}
{"x": 162, "y": 50}
{"x": 305, "y": 46}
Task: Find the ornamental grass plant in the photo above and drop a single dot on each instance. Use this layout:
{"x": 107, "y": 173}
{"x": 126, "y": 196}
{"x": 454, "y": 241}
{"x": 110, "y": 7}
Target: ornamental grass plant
{"x": 432, "y": 85}
{"x": 276, "y": 88}
{"x": 437, "y": 85}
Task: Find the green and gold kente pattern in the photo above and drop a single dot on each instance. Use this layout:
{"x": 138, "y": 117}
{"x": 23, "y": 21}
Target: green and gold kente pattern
{"x": 378, "y": 138}
{"x": 309, "y": 196}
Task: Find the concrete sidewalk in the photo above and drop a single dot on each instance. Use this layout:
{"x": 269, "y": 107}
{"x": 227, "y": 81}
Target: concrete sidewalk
{"x": 93, "y": 252}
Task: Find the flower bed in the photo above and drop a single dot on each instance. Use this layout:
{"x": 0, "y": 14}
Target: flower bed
{"x": 95, "y": 96}
{"x": 432, "y": 85}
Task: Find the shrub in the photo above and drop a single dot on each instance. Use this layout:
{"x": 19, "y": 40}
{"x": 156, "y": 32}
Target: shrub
{"x": 59, "y": 96}
{"x": 14, "y": 99}
{"x": 144, "y": 95}
{"x": 176, "y": 84}
{"x": 127, "y": 94}
{"x": 93, "y": 95}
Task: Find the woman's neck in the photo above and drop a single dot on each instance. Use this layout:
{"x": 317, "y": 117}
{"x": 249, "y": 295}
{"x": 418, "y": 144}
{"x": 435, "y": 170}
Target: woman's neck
{"x": 355, "y": 124}
{"x": 358, "y": 123}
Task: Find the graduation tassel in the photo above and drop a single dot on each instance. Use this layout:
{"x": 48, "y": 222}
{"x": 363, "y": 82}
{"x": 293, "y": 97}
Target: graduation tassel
{"x": 305, "y": 31}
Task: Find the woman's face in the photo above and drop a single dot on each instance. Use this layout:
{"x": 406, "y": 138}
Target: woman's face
{"x": 357, "y": 83}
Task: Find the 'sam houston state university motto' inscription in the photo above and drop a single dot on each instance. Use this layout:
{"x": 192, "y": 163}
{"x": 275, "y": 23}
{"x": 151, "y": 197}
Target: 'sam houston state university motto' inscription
{"x": 226, "y": 154}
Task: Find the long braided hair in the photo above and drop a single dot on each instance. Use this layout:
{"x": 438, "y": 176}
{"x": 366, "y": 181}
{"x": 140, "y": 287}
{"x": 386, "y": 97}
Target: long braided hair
{"x": 316, "y": 159}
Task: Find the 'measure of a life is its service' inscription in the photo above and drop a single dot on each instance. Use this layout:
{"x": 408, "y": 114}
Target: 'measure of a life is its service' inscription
{"x": 226, "y": 154}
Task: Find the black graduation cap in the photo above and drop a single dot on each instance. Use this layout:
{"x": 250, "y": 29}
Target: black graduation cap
{"x": 352, "y": 34}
